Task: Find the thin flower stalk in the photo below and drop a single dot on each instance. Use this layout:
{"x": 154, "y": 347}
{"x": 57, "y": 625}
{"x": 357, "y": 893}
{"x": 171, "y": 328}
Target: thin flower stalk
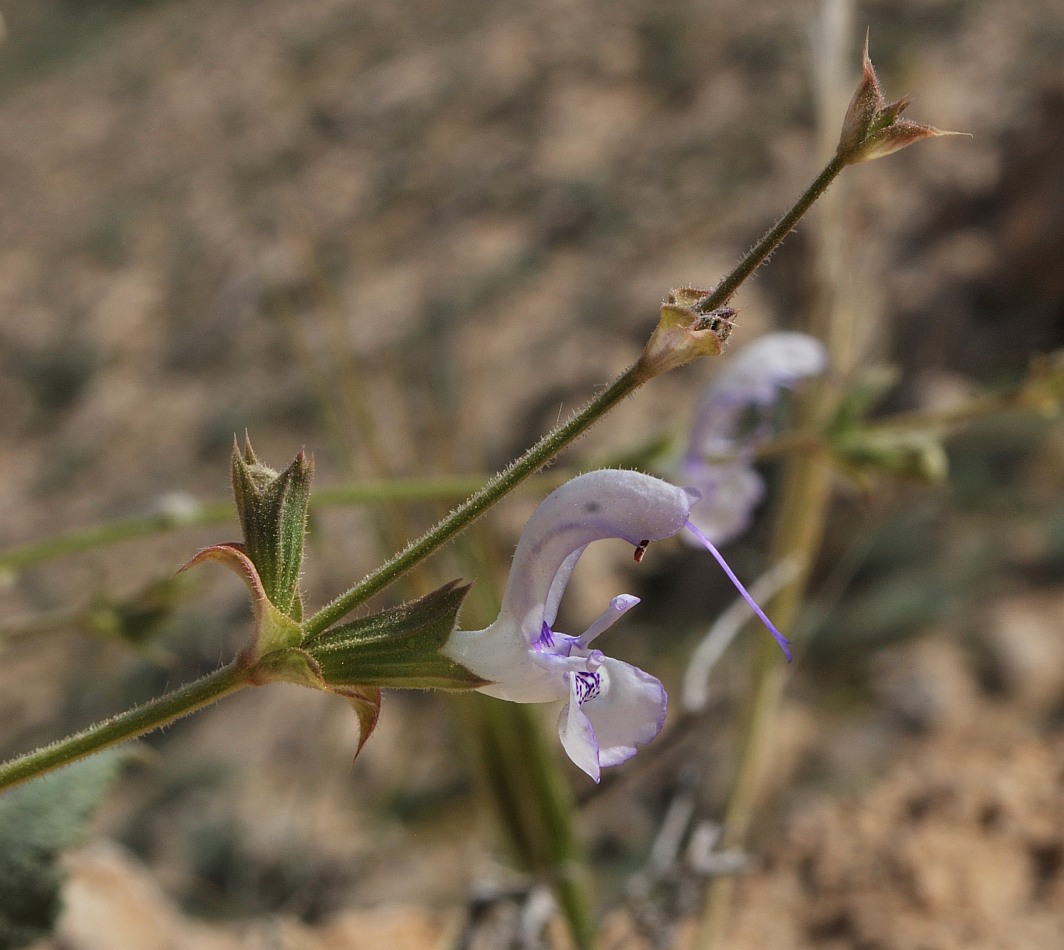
{"x": 186, "y": 699}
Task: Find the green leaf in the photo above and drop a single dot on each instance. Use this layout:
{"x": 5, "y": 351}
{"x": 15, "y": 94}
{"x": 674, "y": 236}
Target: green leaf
{"x": 398, "y": 647}
{"x": 38, "y": 821}
{"x": 862, "y": 396}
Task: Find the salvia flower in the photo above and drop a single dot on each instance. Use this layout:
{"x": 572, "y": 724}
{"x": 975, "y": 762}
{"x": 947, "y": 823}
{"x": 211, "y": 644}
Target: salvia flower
{"x": 733, "y": 417}
{"x": 612, "y": 707}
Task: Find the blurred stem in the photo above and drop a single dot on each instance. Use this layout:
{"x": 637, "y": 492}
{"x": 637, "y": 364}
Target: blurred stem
{"x": 533, "y": 803}
{"x": 799, "y": 529}
{"x": 522, "y": 777}
{"x": 130, "y": 529}
{"x": 947, "y": 417}
{"x": 126, "y": 725}
{"x": 800, "y": 441}
{"x": 800, "y": 521}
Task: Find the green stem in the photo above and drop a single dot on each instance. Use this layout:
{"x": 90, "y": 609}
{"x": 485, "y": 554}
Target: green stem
{"x": 129, "y": 529}
{"x": 951, "y": 416}
{"x": 474, "y": 506}
{"x": 549, "y": 446}
{"x": 759, "y": 253}
{"x": 112, "y": 533}
{"x": 126, "y": 725}
{"x": 230, "y": 678}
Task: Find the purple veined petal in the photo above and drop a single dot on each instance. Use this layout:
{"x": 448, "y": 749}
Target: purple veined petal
{"x": 578, "y": 736}
{"x": 619, "y": 606}
{"x": 629, "y": 711}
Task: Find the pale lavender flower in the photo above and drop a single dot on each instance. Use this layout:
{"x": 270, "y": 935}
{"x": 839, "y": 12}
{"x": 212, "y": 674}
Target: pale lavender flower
{"x": 733, "y": 417}
{"x": 612, "y": 706}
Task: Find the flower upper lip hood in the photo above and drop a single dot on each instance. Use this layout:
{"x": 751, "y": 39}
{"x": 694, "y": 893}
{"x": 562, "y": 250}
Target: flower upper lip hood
{"x": 609, "y": 503}
{"x": 603, "y": 504}
{"x": 612, "y": 706}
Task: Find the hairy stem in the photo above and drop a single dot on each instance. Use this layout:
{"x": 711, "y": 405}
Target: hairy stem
{"x": 126, "y": 725}
{"x": 474, "y": 506}
{"x": 180, "y": 702}
{"x": 760, "y": 252}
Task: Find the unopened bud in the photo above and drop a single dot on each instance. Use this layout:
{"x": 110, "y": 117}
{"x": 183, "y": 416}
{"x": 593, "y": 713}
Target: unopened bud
{"x": 273, "y": 515}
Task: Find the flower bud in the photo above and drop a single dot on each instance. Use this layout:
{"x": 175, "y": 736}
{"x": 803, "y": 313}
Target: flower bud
{"x": 273, "y": 515}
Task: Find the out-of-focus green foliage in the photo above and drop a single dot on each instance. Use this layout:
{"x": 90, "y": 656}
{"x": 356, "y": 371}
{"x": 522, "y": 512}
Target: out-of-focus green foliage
{"x": 39, "y": 821}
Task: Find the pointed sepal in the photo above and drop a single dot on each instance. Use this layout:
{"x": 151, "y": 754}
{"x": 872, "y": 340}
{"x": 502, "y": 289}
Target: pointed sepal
{"x": 366, "y": 703}
{"x": 273, "y": 516}
{"x": 295, "y": 665}
{"x": 273, "y": 629}
{"x": 399, "y": 647}
{"x": 872, "y": 127}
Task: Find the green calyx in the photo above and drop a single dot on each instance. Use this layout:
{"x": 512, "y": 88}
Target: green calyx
{"x": 398, "y": 647}
{"x": 273, "y": 515}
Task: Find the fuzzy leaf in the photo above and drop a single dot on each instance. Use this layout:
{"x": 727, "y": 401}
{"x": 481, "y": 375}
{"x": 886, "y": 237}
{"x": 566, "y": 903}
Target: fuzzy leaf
{"x": 39, "y": 821}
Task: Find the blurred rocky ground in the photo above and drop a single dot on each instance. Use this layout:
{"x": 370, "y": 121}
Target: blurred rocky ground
{"x": 455, "y": 219}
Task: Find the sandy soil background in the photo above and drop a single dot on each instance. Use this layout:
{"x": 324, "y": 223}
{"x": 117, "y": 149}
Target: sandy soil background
{"x": 455, "y": 219}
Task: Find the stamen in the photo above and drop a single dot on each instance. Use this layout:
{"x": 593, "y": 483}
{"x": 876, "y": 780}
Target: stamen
{"x": 620, "y": 605}
{"x": 641, "y": 549}
{"x": 783, "y": 642}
